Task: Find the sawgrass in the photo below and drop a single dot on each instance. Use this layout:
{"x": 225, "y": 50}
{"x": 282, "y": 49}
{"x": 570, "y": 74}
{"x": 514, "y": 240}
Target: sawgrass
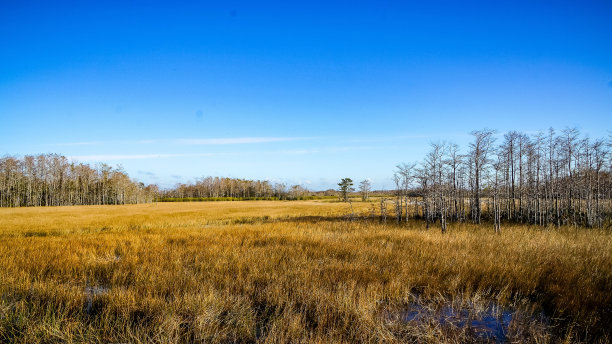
{"x": 299, "y": 271}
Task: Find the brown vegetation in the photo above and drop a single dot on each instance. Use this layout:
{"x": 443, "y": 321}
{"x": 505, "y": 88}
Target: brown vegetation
{"x": 292, "y": 272}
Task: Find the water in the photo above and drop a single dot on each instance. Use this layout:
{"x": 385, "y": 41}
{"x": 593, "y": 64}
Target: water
{"x": 490, "y": 323}
{"x": 90, "y": 293}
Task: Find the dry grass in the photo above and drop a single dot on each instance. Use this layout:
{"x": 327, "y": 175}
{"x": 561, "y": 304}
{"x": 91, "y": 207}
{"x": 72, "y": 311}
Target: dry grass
{"x": 291, "y": 272}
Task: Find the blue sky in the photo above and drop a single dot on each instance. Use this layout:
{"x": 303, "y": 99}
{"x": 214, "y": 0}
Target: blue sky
{"x": 296, "y": 92}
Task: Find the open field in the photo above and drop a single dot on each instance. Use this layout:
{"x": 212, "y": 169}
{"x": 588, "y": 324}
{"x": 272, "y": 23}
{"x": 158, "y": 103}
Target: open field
{"x": 273, "y": 271}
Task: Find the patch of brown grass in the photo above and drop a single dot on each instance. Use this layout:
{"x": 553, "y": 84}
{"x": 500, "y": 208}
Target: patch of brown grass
{"x": 289, "y": 272}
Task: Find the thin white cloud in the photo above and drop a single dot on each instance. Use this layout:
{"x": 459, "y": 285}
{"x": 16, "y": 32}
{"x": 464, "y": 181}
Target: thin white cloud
{"x": 251, "y": 140}
{"x": 235, "y": 140}
{"x": 115, "y": 157}
{"x": 287, "y": 152}
{"x": 190, "y": 141}
{"x": 101, "y": 143}
{"x": 402, "y": 137}
{"x": 321, "y": 150}
{"x": 84, "y": 143}
{"x": 112, "y": 157}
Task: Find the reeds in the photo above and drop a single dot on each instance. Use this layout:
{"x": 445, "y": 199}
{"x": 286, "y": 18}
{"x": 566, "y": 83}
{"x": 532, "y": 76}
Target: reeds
{"x": 292, "y": 272}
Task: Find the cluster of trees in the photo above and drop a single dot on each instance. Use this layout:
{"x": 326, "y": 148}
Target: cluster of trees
{"x": 52, "y": 180}
{"x": 216, "y": 187}
{"x": 542, "y": 179}
{"x": 345, "y": 187}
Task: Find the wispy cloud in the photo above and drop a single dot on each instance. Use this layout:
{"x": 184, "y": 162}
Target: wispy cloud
{"x": 189, "y": 141}
{"x": 113, "y": 157}
{"x": 84, "y": 143}
{"x": 321, "y": 150}
{"x": 328, "y": 149}
{"x": 236, "y": 140}
{"x": 399, "y": 138}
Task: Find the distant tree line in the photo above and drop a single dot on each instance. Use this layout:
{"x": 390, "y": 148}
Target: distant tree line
{"x": 234, "y": 188}
{"x": 53, "y": 180}
{"x": 543, "y": 179}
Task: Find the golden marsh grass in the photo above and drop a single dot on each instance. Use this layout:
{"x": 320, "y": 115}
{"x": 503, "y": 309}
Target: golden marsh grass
{"x": 276, "y": 272}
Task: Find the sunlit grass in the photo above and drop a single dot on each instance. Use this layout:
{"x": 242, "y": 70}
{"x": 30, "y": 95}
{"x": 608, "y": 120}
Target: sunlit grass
{"x": 289, "y": 272}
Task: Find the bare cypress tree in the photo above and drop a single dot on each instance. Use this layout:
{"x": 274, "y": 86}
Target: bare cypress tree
{"x": 397, "y": 179}
{"x": 435, "y": 163}
{"x": 423, "y": 177}
{"x": 454, "y": 161}
{"x": 568, "y": 140}
{"x": 405, "y": 172}
{"x": 479, "y": 152}
{"x": 509, "y": 145}
{"x": 600, "y": 155}
{"x": 383, "y": 210}
{"x": 364, "y": 187}
{"x": 497, "y": 168}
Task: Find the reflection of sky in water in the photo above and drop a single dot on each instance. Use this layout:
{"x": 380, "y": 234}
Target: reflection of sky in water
{"x": 490, "y": 323}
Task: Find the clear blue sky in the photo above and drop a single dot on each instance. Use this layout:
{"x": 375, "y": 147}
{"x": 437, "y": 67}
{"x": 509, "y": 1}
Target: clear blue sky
{"x": 302, "y": 93}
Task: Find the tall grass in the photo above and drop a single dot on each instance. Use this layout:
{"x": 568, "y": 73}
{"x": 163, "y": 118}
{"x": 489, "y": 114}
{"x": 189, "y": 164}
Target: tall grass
{"x": 289, "y": 272}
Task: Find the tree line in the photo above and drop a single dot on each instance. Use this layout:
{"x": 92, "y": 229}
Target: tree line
{"x": 235, "y": 188}
{"x": 53, "y": 180}
{"x": 547, "y": 178}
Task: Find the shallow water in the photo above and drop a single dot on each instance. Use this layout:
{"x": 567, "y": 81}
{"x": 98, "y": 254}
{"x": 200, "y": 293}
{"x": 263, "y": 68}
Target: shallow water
{"x": 490, "y": 323}
{"x": 90, "y": 293}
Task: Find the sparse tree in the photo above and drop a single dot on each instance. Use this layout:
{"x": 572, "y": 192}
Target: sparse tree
{"x": 405, "y": 175}
{"x": 479, "y": 157}
{"x": 364, "y": 187}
